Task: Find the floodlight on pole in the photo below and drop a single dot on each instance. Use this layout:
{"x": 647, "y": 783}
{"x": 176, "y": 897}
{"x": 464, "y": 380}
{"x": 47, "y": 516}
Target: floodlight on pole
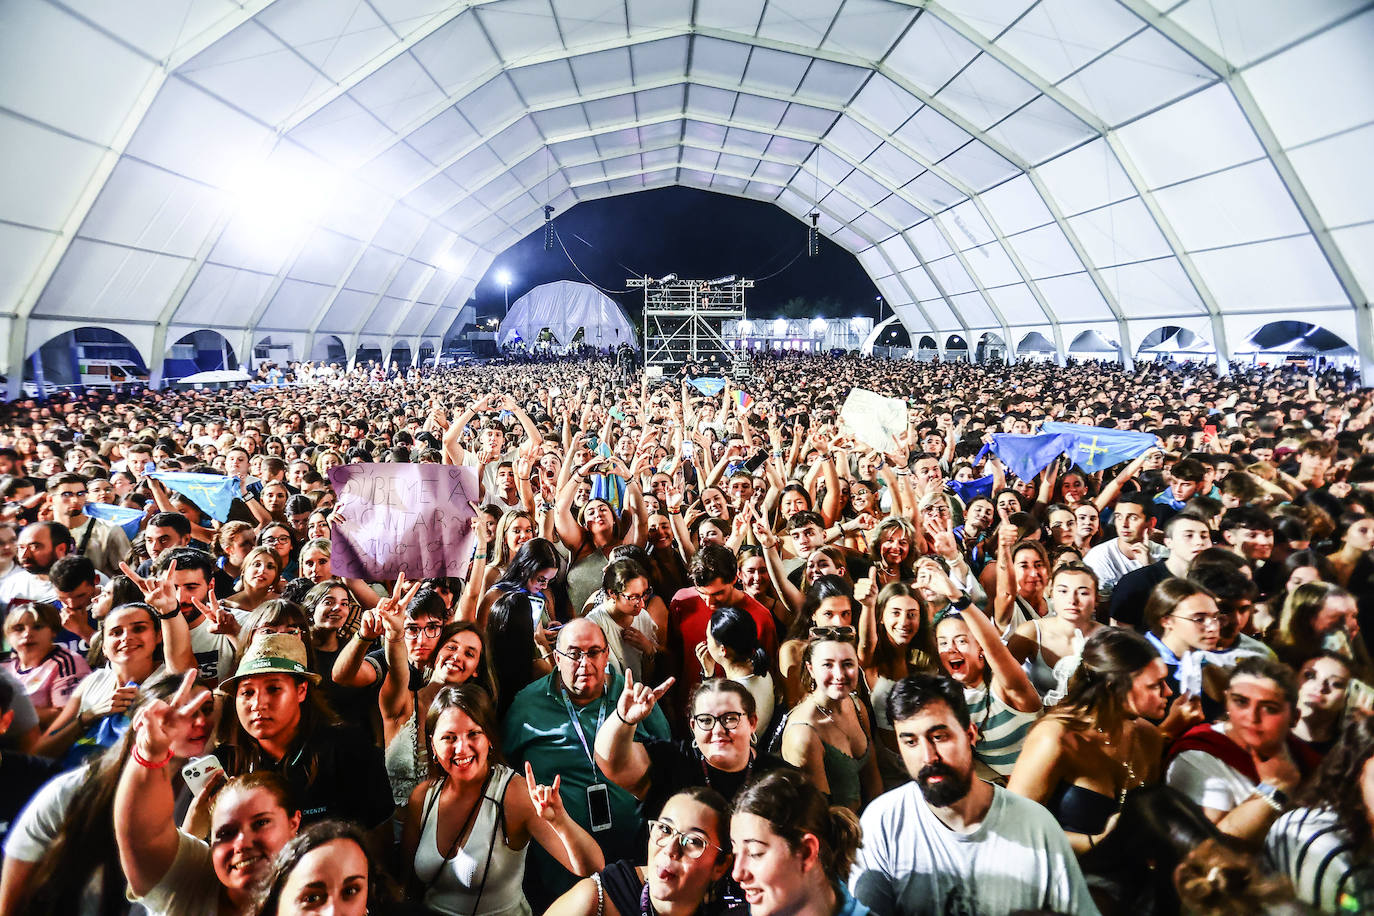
{"x": 503, "y": 277}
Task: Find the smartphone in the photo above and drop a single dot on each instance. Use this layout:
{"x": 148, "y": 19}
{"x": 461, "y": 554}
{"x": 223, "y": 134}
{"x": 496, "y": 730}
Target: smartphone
{"x": 688, "y": 450}
{"x": 200, "y": 771}
{"x": 598, "y": 807}
{"x": 1209, "y": 431}
{"x": 538, "y": 610}
{"x": 756, "y": 461}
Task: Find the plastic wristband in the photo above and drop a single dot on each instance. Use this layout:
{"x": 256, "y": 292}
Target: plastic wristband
{"x": 147, "y": 764}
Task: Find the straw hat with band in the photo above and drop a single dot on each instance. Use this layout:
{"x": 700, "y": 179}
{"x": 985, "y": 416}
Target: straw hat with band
{"x": 271, "y": 653}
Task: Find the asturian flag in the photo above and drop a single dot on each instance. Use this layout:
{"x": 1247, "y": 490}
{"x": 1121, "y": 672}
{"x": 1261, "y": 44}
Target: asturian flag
{"x": 1095, "y": 448}
{"x": 1027, "y": 456}
{"x": 124, "y": 517}
{"x": 212, "y": 492}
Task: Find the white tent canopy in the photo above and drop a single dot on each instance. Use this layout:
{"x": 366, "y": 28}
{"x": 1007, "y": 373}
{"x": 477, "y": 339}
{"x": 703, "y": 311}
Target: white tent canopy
{"x": 564, "y": 308}
{"x": 313, "y": 168}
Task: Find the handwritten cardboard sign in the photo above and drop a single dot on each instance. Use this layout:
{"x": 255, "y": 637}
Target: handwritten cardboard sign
{"x": 403, "y": 517}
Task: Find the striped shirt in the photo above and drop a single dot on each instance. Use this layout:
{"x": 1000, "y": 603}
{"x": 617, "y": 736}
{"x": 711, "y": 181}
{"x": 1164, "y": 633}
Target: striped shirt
{"x": 1309, "y": 847}
{"x": 52, "y": 681}
{"x": 1001, "y": 730}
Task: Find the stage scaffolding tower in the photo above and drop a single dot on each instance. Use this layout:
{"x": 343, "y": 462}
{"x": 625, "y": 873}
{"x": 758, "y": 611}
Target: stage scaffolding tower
{"x": 683, "y": 319}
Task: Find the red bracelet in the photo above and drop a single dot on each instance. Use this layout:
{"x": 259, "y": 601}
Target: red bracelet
{"x": 147, "y": 764}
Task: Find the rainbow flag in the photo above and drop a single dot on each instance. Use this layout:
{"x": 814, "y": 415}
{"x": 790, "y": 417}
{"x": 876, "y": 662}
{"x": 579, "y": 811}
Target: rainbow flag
{"x": 742, "y": 399}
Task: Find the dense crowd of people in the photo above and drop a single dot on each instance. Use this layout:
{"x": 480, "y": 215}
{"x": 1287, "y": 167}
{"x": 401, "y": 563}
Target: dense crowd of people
{"x": 713, "y": 654}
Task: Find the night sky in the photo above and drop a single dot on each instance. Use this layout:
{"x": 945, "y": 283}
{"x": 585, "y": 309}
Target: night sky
{"x": 698, "y": 235}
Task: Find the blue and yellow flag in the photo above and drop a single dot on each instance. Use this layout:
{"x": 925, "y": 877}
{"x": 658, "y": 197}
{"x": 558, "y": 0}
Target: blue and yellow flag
{"x": 213, "y": 493}
{"x": 1095, "y": 448}
{"x": 1026, "y": 456}
{"x": 124, "y": 517}
{"x": 708, "y": 386}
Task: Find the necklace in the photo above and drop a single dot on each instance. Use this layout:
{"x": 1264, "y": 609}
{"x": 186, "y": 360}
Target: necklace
{"x": 1127, "y": 783}
{"x": 706, "y": 769}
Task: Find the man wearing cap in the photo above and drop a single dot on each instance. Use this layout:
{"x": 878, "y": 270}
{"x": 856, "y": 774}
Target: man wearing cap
{"x": 275, "y": 724}
{"x": 552, "y": 724}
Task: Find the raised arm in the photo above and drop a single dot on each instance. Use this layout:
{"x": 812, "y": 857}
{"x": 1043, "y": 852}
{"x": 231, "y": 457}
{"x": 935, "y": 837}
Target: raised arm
{"x": 1005, "y": 600}
{"x": 1007, "y": 674}
{"x": 791, "y": 596}
{"x": 1112, "y": 490}
{"x": 538, "y": 811}
{"x": 623, "y": 760}
{"x": 144, "y": 803}
{"x": 395, "y": 697}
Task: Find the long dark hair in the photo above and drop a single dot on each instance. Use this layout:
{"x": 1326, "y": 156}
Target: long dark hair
{"x": 824, "y": 587}
{"x": 510, "y": 634}
{"x": 240, "y": 752}
{"x": 484, "y": 675}
{"x": 86, "y": 840}
{"x": 886, "y": 653}
{"x": 1336, "y": 786}
{"x": 533, "y": 556}
{"x": 474, "y": 701}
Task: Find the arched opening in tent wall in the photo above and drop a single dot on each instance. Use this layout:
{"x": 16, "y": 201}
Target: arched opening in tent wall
{"x": 426, "y": 355}
{"x": 401, "y": 355}
{"x": 86, "y": 356}
{"x": 367, "y": 353}
{"x": 1172, "y": 343}
{"x": 281, "y": 352}
{"x": 1092, "y": 345}
{"x": 956, "y": 348}
{"x": 893, "y": 341}
{"x": 1297, "y": 343}
{"x": 198, "y": 351}
{"x": 329, "y": 348}
{"x": 990, "y": 347}
{"x": 1036, "y": 347}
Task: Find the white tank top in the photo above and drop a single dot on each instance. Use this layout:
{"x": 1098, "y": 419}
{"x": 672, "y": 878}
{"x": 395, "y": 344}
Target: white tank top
{"x": 452, "y": 885}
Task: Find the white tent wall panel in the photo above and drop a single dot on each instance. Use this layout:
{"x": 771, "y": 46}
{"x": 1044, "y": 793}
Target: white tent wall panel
{"x": 978, "y": 166}
{"x": 55, "y": 169}
{"x": 1041, "y": 130}
{"x": 457, "y": 53}
{"x": 21, "y": 250}
{"x": 325, "y": 257}
{"x": 1243, "y": 31}
{"x": 257, "y": 72}
{"x": 1218, "y": 136}
{"x": 396, "y": 170}
{"x": 383, "y": 317}
{"x": 342, "y": 132}
{"x": 348, "y": 312}
{"x": 1086, "y": 178}
{"x": 399, "y": 92}
{"x": 110, "y": 282}
{"x": 336, "y": 36}
{"x": 866, "y": 29}
{"x": 1336, "y": 173}
{"x": 1248, "y": 203}
{"x": 62, "y": 72}
{"x": 1141, "y": 74}
{"x": 1155, "y": 287}
{"x": 1120, "y": 233}
{"x": 192, "y": 133}
{"x": 1286, "y": 275}
{"x": 1357, "y": 243}
{"x": 931, "y": 135}
{"x": 802, "y": 22}
{"x": 1057, "y": 37}
{"x": 1335, "y": 71}
{"x": 1016, "y": 205}
{"x": 409, "y": 280}
{"x": 295, "y": 304}
{"x": 220, "y": 295}
{"x": 520, "y": 28}
{"x": 146, "y": 207}
{"x": 1017, "y": 300}
{"x": 993, "y": 267}
{"x": 930, "y": 54}
{"x": 248, "y": 242}
{"x": 400, "y": 231}
{"x": 1074, "y": 297}
{"x": 985, "y": 92}
{"x": 967, "y": 226}
{"x": 1045, "y": 252}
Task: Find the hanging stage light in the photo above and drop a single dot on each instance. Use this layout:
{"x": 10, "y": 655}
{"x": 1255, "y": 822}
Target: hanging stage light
{"x": 813, "y": 235}
{"x": 548, "y": 227}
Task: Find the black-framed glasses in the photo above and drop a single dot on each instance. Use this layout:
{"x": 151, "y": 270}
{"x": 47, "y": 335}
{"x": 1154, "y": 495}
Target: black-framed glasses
{"x": 840, "y": 633}
{"x": 640, "y": 598}
{"x": 704, "y": 721}
{"x": 693, "y": 845}
{"x": 277, "y": 539}
{"x": 431, "y": 630}
{"x": 576, "y": 656}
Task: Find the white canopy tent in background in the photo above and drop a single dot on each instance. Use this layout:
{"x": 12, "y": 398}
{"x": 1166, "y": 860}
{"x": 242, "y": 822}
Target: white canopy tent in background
{"x": 563, "y": 308}
{"x": 308, "y": 169}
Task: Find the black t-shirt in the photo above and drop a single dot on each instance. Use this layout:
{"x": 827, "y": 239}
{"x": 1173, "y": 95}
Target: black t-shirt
{"x": 354, "y": 705}
{"x": 377, "y": 659}
{"x": 676, "y": 764}
{"x": 333, "y": 773}
{"x": 1133, "y": 591}
{"x": 20, "y": 777}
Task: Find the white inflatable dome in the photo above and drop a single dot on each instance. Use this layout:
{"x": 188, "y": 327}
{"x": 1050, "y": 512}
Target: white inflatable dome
{"x": 563, "y": 308}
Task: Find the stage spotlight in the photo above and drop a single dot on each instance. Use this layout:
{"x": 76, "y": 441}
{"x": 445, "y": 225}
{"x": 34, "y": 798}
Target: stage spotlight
{"x": 720, "y": 281}
{"x": 667, "y": 278}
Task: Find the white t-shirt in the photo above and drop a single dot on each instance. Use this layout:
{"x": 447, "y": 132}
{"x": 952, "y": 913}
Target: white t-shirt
{"x": 624, "y": 655}
{"x": 1207, "y": 781}
{"x": 1110, "y": 564}
{"x": 101, "y": 684}
{"x": 215, "y": 653}
{"x": 190, "y": 887}
{"x": 1309, "y": 846}
{"x": 1017, "y": 858}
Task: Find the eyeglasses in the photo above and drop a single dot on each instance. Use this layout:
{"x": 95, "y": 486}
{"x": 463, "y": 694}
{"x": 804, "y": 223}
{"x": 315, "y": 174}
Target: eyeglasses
{"x": 576, "y": 655}
{"x": 727, "y": 720}
{"x": 430, "y": 629}
{"x": 640, "y": 598}
{"x": 1202, "y": 621}
{"x": 693, "y": 845}
{"x": 277, "y": 539}
{"x": 840, "y": 633}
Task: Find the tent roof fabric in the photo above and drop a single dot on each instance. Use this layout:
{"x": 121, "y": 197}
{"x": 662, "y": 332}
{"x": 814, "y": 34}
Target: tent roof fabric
{"x": 327, "y": 167}
{"x": 564, "y": 307}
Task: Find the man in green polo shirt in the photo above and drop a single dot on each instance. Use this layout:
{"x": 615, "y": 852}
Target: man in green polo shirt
{"x": 552, "y": 723}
